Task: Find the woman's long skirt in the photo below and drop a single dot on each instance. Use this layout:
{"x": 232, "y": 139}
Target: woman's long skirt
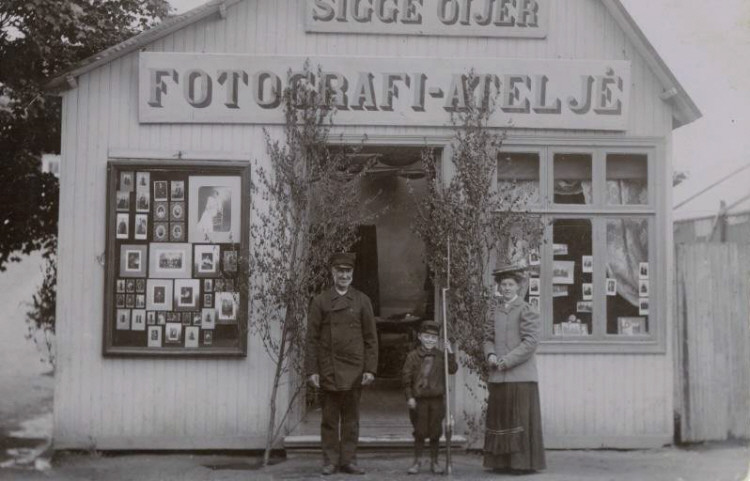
{"x": 513, "y": 436}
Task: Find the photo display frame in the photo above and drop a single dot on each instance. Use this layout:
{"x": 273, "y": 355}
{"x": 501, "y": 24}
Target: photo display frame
{"x": 175, "y": 231}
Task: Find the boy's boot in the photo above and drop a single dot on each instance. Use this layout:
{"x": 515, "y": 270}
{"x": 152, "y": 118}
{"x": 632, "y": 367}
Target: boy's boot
{"x": 418, "y": 446}
{"x": 435, "y": 464}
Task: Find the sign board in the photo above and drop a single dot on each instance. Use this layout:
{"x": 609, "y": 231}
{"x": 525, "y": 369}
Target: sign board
{"x": 471, "y": 18}
{"x": 243, "y": 89}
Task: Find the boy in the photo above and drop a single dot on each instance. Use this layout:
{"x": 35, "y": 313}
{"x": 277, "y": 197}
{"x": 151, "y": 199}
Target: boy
{"x": 424, "y": 386}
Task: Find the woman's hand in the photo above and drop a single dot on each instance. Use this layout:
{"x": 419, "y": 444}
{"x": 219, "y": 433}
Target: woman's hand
{"x": 412, "y": 403}
{"x": 492, "y": 360}
{"x": 501, "y": 366}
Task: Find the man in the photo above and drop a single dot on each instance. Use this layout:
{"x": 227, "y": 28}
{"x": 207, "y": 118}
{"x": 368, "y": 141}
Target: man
{"x": 342, "y": 357}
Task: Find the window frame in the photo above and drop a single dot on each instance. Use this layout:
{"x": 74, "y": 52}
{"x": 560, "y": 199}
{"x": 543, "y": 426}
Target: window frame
{"x": 598, "y": 341}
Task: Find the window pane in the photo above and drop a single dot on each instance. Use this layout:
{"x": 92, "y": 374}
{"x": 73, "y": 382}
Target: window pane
{"x": 518, "y": 178}
{"x": 572, "y": 288}
{"x": 572, "y": 174}
{"x": 627, "y": 276}
{"x": 627, "y": 179}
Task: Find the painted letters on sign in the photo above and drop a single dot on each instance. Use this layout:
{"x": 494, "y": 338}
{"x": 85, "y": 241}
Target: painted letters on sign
{"x": 472, "y": 18}
{"x": 537, "y": 94}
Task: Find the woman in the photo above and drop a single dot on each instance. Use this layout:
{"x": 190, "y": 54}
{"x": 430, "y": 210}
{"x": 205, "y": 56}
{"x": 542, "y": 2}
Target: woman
{"x": 513, "y": 438}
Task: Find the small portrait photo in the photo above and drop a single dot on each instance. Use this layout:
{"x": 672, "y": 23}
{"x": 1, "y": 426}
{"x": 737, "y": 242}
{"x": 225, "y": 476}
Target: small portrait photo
{"x": 208, "y": 338}
{"x": 122, "y": 226}
{"x": 123, "y": 319}
{"x": 219, "y": 285}
{"x": 161, "y": 231}
{"x": 159, "y": 294}
{"x": 534, "y": 302}
{"x": 643, "y": 306}
{"x": 177, "y": 189}
{"x": 160, "y": 191}
{"x": 206, "y": 260}
{"x": 142, "y": 181}
{"x": 161, "y": 211}
{"x": 559, "y": 291}
{"x": 186, "y": 292}
{"x": 126, "y": 181}
{"x": 138, "y": 320}
{"x": 161, "y": 318}
{"x": 120, "y": 285}
{"x": 177, "y": 211}
{"x": 177, "y": 232}
{"x": 173, "y": 317}
{"x": 535, "y": 286}
{"x": 197, "y": 318}
{"x": 562, "y": 272}
{"x": 130, "y": 301}
{"x": 587, "y": 264}
{"x": 186, "y": 318}
{"x": 611, "y": 287}
{"x": 141, "y": 227}
{"x": 230, "y": 261}
{"x": 130, "y": 285}
{"x": 643, "y": 287}
{"x": 208, "y": 300}
{"x": 120, "y": 300}
{"x": 150, "y": 318}
{"x": 154, "y": 336}
{"x": 192, "y": 334}
{"x": 142, "y": 201}
{"x": 208, "y": 285}
{"x": 123, "y": 200}
{"x": 587, "y": 290}
{"x": 227, "y": 306}
{"x": 534, "y": 257}
{"x": 140, "y": 285}
{"x": 140, "y": 301}
{"x": 174, "y": 333}
{"x": 559, "y": 249}
{"x": 584, "y": 306}
{"x": 208, "y": 319}
{"x": 643, "y": 270}
{"x": 133, "y": 260}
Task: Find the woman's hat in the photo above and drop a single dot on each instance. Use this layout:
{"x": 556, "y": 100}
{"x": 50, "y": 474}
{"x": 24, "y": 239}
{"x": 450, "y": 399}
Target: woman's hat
{"x": 513, "y": 271}
{"x": 431, "y": 327}
{"x": 343, "y": 259}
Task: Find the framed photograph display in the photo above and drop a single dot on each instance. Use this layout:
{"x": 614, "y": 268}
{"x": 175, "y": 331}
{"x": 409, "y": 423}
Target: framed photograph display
{"x": 174, "y": 230}
{"x": 214, "y": 209}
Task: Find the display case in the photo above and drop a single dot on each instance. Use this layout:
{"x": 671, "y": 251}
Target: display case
{"x": 177, "y": 238}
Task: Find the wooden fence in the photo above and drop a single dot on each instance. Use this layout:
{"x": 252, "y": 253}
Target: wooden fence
{"x": 712, "y": 322}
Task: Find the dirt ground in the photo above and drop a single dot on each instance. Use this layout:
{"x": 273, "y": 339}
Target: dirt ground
{"x": 712, "y": 463}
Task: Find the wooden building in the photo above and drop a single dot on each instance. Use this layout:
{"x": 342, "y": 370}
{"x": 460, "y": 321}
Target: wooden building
{"x": 164, "y": 123}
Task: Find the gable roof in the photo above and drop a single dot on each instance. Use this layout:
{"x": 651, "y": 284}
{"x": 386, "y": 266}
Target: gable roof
{"x": 685, "y": 110}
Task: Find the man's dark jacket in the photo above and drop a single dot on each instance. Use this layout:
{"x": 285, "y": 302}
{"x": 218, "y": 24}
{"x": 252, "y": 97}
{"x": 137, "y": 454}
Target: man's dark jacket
{"x": 342, "y": 340}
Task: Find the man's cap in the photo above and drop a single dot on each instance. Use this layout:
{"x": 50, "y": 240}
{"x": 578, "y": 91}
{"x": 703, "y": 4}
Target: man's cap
{"x": 513, "y": 271}
{"x": 431, "y": 327}
{"x": 343, "y": 259}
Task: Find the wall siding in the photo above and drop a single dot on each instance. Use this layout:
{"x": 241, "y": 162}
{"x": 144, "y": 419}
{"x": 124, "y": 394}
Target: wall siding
{"x": 587, "y": 400}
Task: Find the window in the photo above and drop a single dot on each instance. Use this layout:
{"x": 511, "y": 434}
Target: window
{"x": 595, "y": 277}
{"x": 572, "y": 179}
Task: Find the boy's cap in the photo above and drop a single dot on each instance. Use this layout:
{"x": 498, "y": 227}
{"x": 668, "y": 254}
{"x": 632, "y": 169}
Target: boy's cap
{"x": 343, "y": 259}
{"x": 431, "y": 327}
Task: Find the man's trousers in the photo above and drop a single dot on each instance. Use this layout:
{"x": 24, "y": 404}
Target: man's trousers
{"x": 339, "y": 426}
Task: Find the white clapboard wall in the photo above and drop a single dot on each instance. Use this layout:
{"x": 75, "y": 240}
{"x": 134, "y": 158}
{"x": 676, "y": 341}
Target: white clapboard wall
{"x": 587, "y": 400}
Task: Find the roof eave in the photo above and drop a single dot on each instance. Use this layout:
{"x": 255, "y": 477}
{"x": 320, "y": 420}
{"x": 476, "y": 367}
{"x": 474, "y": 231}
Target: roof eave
{"x": 685, "y": 110}
{"x": 67, "y": 80}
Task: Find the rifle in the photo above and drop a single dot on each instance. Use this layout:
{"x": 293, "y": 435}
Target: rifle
{"x": 448, "y": 413}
